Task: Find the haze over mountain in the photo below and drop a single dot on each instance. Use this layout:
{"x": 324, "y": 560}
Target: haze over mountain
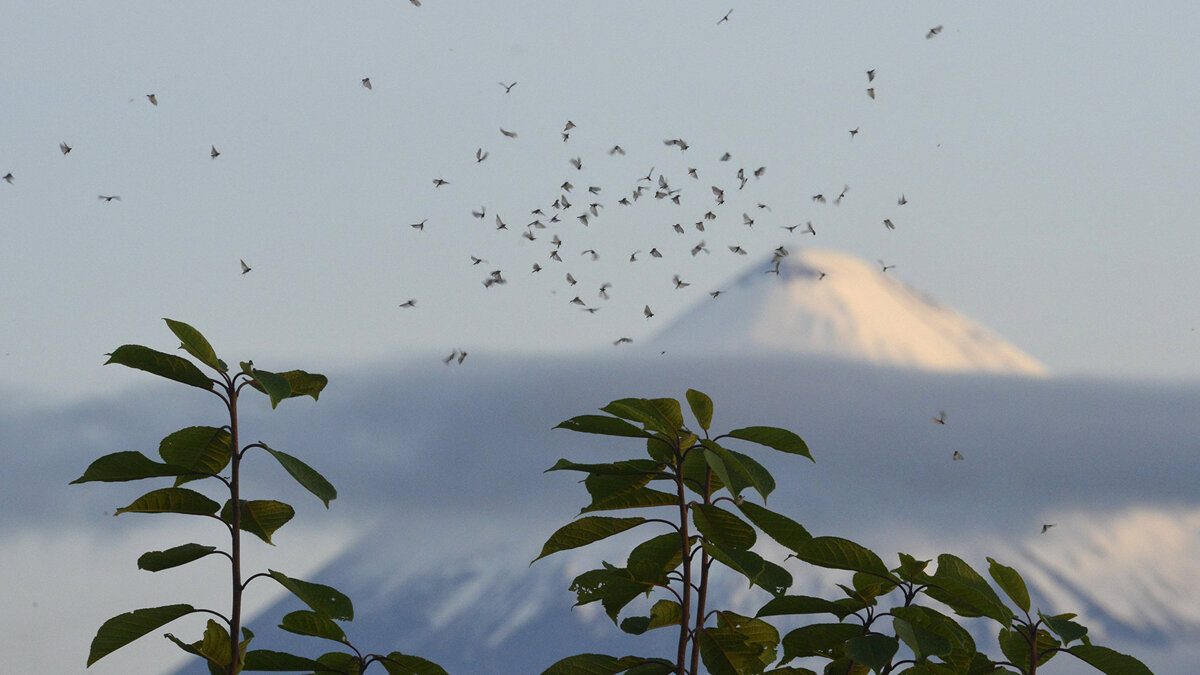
{"x": 829, "y": 304}
{"x": 443, "y": 503}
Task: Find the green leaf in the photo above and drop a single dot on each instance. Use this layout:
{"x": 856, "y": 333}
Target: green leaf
{"x": 305, "y": 475}
{"x": 726, "y": 651}
{"x": 305, "y": 622}
{"x": 922, "y": 642}
{"x": 404, "y": 664}
{"x": 631, "y": 467}
{"x": 260, "y": 517}
{"x": 763, "y": 573}
{"x": 169, "y": 366}
{"x": 612, "y": 586}
{"x": 600, "y": 664}
{"x": 585, "y": 531}
{"x": 663, "y": 613}
{"x": 1108, "y": 661}
{"x": 802, "y": 604}
{"x": 320, "y": 598}
{"x": 624, "y": 491}
{"x": 200, "y": 450}
{"x": 172, "y": 500}
{"x": 962, "y": 589}
{"x": 156, "y": 561}
{"x": 653, "y": 414}
{"x": 817, "y": 639}
{"x": 338, "y": 663}
{"x": 702, "y": 407}
{"x": 773, "y": 437}
{"x": 695, "y": 470}
{"x": 755, "y": 632}
{"x": 961, "y": 653}
{"x": 304, "y": 384}
{"x": 603, "y": 425}
{"x": 1066, "y": 629}
{"x": 842, "y": 554}
{"x": 195, "y": 344}
{"x": 650, "y": 560}
{"x": 1015, "y": 645}
{"x": 760, "y": 479}
{"x": 264, "y": 660}
{"x": 911, "y": 569}
{"x": 722, "y": 527}
{"x": 127, "y": 465}
{"x": 778, "y": 527}
{"x": 1010, "y": 582}
{"x": 274, "y": 385}
{"x": 873, "y": 651}
{"x": 125, "y": 628}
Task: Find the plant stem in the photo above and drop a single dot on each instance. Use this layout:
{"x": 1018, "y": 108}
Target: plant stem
{"x": 685, "y": 604}
{"x": 702, "y": 592}
{"x": 235, "y": 614}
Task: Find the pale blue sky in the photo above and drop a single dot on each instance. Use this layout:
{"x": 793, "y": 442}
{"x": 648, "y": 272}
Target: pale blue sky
{"x": 1048, "y": 155}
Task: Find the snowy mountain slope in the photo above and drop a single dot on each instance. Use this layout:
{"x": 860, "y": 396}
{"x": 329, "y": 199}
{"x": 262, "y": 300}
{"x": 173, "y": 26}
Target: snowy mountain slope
{"x": 830, "y": 304}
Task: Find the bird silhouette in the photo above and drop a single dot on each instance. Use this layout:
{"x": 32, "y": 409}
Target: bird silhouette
{"x": 887, "y": 222}
{"x": 902, "y": 201}
{"x": 366, "y": 82}
{"x": 647, "y": 312}
{"x": 933, "y": 31}
{"x": 871, "y": 75}
{"x": 107, "y": 198}
{"x": 871, "y": 93}
{"x": 245, "y": 267}
{"x": 616, "y": 150}
{"x": 725, "y": 18}
{"x": 577, "y": 162}
{"x": 153, "y": 98}
{"x": 8, "y": 178}
{"x": 438, "y": 182}
{"x": 64, "y": 147}
{"x": 1046, "y": 527}
{"x": 941, "y": 417}
{"x": 885, "y": 267}
{"x": 510, "y": 134}
{"x": 679, "y": 283}
{"x": 418, "y": 226}
{"x": 738, "y": 250}
{"x": 854, "y": 132}
{"x": 213, "y": 153}
{"x": 480, "y": 155}
{"x": 957, "y": 456}
{"x": 622, "y": 341}
{"x": 508, "y": 87}
{"x": 408, "y": 304}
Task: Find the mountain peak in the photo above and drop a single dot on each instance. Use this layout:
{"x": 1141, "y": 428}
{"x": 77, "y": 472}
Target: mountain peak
{"x": 829, "y": 304}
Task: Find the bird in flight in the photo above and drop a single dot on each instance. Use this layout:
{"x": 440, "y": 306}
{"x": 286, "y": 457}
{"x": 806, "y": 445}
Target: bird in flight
{"x": 725, "y": 18}
{"x": 738, "y": 250}
{"x": 902, "y": 201}
{"x": 871, "y": 92}
{"x": 577, "y": 162}
{"x": 107, "y": 198}
{"x": 871, "y": 75}
{"x": 941, "y": 417}
{"x": 887, "y": 222}
{"x": 715, "y": 294}
{"x": 64, "y": 147}
{"x": 409, "y": 303}
{"x": 957, "y": 456}
{"x": 418, "y": 226}
{"x": 366, "y": 82}
{"x": 647, "y": 312}
{"x": 416, "y": 3}
{"x": 679, "y": 283}
{"x": 245, "y": 267}
{"x": 1047, "y": 526}
{"x": 508, "y": 87}
{"x": 933, "y": 31}
{"x": 819, "y": 198}
{"x": 509, "y": 134}
{"x": 853, "y": 132}
{"x": 616, "y": 150}
{"x": 621, "y": 341}
{"x": 480, "y": 155}
{"x": 152, "y": 98}
{"x": 214, "y": 153}
{"x": 8, "y": 178}
{"x": 438, "y": 182}
{"x": 885, "y": 267}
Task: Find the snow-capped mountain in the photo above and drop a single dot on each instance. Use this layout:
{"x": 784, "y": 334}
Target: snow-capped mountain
{"x": 830, "y": 304}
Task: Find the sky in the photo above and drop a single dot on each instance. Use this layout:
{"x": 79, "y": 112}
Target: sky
{"x": 1046, "y": 153}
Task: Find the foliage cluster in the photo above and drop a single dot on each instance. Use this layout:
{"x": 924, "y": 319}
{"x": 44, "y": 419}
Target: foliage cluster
{"x": 701, "y": 495}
